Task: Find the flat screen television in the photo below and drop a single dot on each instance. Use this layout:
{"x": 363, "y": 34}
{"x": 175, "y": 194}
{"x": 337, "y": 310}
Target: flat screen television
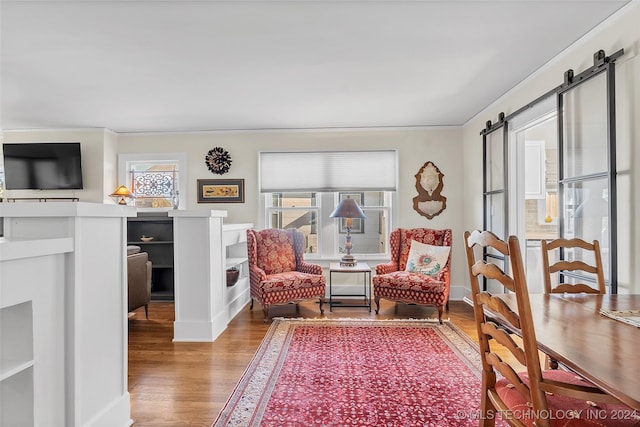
{"x": 42, "y": 166}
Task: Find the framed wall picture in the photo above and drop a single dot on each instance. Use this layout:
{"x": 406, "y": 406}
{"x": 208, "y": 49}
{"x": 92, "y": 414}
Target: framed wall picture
{"x": 357, "y": 226}
{"x": 221, "y": 191}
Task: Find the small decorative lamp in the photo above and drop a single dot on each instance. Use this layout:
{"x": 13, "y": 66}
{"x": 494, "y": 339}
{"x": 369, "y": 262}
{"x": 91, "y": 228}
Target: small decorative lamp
{"x": 121, "y": 194}
{"x": 349, "y": 209}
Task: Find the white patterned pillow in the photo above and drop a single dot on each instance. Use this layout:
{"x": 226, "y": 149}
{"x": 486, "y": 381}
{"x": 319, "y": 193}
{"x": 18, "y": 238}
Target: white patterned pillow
{"x": 427, "y": 259}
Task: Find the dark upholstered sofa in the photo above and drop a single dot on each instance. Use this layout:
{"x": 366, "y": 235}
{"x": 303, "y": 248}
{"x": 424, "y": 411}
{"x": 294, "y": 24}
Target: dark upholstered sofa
{"x": 138, "y": 279}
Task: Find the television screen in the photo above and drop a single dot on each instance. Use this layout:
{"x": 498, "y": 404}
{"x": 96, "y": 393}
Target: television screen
{"x": 42, "y": 166}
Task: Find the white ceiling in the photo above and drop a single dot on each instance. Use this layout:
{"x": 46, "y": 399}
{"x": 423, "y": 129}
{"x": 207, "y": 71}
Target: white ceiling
{"x": 164, "y": 65}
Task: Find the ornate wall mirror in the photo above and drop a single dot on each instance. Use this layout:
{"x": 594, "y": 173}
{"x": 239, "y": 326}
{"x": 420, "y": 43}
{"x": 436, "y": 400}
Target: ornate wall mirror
{"x": 429, "y": 202}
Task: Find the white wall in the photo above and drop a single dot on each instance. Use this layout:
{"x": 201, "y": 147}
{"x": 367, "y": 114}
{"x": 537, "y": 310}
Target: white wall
{"x": 415, "y": 147}
{"x": 97, "y": 160}
{"x": 621, "y": 31}
{"x": 110, "y": 165}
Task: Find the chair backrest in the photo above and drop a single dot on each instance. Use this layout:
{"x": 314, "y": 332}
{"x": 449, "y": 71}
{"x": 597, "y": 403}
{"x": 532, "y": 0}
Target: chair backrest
{"x": 559, "y": 249}
{"x": 496, "y": 337}
{"x": 400, "y": 242}
{"x": 275, "y": 250}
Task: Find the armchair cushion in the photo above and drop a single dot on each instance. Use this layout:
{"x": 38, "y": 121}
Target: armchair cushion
{"x": 416, "y": 288}
{"x": 277, "y": 271}
{"x": 427, "y": 259}
{"x": 276, "y": 251}
{"x": 422, "y": 235}
{"x": 291, "y": 280}
{"x": 394, "y": 281}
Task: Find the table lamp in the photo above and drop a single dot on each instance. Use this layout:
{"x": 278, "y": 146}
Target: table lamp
{"x": 349, "y": 209}
{"x": 121, "y": 194}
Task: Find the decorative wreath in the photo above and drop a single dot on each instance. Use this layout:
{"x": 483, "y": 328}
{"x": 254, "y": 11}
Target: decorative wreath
{"x": 218, "y": 160}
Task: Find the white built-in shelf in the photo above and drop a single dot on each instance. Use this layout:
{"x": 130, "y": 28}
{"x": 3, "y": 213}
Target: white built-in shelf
{"x": 162, "y": 266}
{"x": 233, "y": 262}
{"x": 10, "y": 367}
{"x": 16, "y": 364}
{"x": 153, "y": 242}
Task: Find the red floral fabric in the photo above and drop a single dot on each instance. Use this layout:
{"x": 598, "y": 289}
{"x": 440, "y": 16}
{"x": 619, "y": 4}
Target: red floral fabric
{"x": 276, "y": 251}
{"x": 565, "y": 411}
{"x": 290, "y": 280}
{"x": 278, "y": 273}
{"x": 393, "y": 283}
{"x": 422, "y": 235}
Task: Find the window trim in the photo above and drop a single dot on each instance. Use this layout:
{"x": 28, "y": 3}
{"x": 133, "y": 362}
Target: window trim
{"x": 125, "y": 159}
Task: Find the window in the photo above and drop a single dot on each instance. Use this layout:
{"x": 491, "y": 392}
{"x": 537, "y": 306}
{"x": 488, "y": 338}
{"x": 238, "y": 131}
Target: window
{"x": 309, "y": 213}
{"x": 156, "y": 180}
{"x": 322, "y": 179}
{"x": 296, "y": 210}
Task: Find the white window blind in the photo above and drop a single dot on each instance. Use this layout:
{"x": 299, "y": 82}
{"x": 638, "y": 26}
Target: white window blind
{"x": 325, "y": 171}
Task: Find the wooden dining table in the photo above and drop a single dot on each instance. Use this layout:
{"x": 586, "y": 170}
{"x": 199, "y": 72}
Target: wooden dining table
{"x": 571, "y": 329}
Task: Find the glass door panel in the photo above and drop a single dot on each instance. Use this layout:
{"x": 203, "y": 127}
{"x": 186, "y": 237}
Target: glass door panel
{"x": 495, "y": 161}
{"x": 585, "y": 129}
{"x": 533, "y": 189}
{"x": 586, "y": 214}
{"x": 495, "y": 214}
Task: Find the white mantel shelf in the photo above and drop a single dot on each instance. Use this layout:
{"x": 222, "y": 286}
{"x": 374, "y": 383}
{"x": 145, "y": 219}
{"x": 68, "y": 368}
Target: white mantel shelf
{"x": 198, "y": 214}
{"x": 65, "y": 209}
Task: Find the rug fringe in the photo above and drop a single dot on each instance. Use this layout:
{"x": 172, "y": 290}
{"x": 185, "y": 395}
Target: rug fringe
{"x": 355, "y": 319}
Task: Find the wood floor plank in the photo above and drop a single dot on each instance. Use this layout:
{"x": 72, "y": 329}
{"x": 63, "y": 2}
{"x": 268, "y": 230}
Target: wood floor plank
{"x": 187, "y": 384}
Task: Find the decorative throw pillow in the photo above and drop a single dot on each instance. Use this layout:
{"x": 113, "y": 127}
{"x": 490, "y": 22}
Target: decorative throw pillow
{"x": 427, "y": 259}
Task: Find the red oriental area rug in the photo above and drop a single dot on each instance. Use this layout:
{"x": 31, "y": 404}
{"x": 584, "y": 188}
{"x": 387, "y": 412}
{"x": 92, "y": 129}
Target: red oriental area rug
{"x": 322, "y": 372}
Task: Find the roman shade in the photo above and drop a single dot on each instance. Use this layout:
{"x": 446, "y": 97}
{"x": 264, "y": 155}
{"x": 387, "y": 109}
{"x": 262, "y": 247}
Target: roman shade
{"x": 326, "y": 171}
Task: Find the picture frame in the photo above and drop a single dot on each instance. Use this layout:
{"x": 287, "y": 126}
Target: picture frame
{"x": 221, "y": 190}
{"x": 357, "y": 225}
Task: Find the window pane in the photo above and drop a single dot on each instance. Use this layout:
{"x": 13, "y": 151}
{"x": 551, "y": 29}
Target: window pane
{"x": 294, "y": 200}
{"x": 154, "y": 185}
{"x": 367, "y": 235}
{"x": 586, "y": 214}
{"x": 495, "y": 161}
{"x": 302, "y": 220}
{"x": 373, "y": 198}
{"x": 585, "y": 129}
{"x": 495, "y": 214}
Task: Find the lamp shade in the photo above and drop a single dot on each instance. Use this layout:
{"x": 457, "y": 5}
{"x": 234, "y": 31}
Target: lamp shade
{"x": 348, "y": 208}
{"x": 121, "y": 194}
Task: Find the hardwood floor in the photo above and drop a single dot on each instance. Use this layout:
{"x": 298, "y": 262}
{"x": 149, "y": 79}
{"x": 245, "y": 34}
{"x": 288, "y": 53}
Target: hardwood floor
{"x": 187, "y": 384}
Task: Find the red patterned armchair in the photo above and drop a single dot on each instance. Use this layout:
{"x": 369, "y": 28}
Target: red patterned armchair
{"x": 418, "y": 275}
{"x": 277, "y": 271}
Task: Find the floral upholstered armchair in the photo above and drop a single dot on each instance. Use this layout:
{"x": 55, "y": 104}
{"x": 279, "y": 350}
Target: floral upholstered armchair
{"x": 278, "y": 273}
{"x": 419, "y": 269}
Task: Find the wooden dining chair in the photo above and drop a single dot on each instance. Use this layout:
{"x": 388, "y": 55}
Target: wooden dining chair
{"x": 534, "y": 397}
{"x": 557, "y": 250}
{"x": 558, "y": 247}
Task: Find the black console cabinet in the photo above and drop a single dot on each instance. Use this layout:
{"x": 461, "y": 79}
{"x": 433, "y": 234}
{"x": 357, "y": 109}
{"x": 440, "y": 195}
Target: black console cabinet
{"x": 160, "y": 249}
